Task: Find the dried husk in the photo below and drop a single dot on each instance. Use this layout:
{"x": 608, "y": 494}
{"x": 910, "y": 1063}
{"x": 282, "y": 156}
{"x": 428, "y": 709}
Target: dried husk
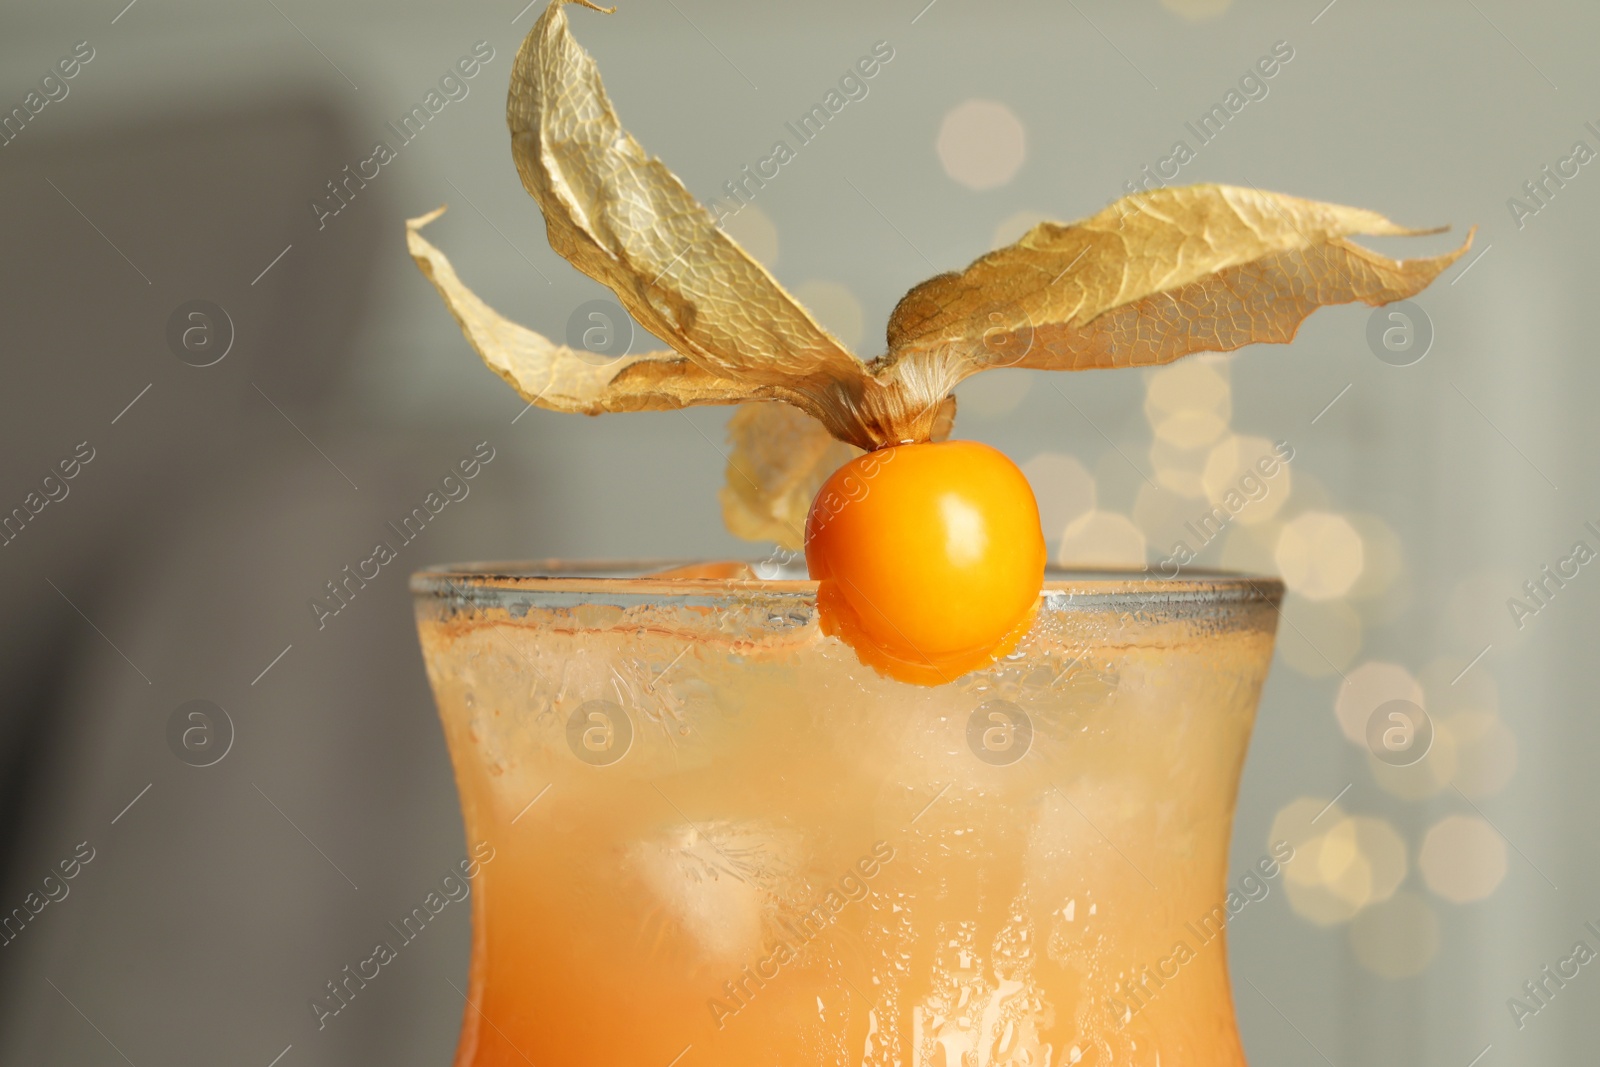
{"x": 1156, "y": 276}
{"x": 620, "y": 216}
{"x": 556, "y": 377}
{"x": 1153, "y": 277}
{"x": 778, "y": 460}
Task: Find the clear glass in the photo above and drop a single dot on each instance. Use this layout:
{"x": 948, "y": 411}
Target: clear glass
{"x": 705, "y": 834}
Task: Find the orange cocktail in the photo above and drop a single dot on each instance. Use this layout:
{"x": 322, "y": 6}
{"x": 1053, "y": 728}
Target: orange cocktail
{"x": 720, "y": 839}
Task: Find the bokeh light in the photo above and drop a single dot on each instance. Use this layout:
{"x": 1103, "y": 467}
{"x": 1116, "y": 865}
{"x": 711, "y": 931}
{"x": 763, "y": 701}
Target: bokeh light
{"x": 1179, "y": 469}
{"x": 982, "y": 144}
{"x": 1341, "y": 864}
{"x": 1397, "y": 938}
{"x": 1191, "y": 429}
{"x": 1386, "y": 589}
{"x": 1371, "y": 684}
{"x": 1233, "y": 468}
{"x": 1251, "y": 548}
{"x": 1117, "y": 478}
{"x": 1317, "y": 904}
{"x": 1188, "y": 403}
{"x": 1160, "y": 515}
{"x": 1428, "y": 776}
{"x": 1486, "y": 752}
{"x": 1009, "y": 230}
{"x": 1318, "y": 638}
{"x": 1462, "y": 859}
{"x": 1382, "y": 557}
{"x": 1199, "y": 382}
{"x": 1102, "y": 539}
{"x": 1319, "y": 555}
{"x": 1303, "y": 823}
{"x": 1064, "y": 488}
{"x": 836, "y": 307}
{"x": 1362, "y": 860}
{"x": 994, "y": 394}
{"x": 1297, "y": 822}
{"x": 755, "y": 233}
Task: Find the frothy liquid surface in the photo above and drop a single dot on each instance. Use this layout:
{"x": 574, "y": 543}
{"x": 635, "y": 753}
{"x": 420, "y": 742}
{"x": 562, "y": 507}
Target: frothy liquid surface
{"x": 715, "y": 831}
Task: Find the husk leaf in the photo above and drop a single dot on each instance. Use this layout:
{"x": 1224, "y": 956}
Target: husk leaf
{"x": 1153, "y": 277}
{"x": 778, "y": 459}
{"x": 557, "y": 377}
{"x": 620, "y": 216}
{"x": 1156, "y": 276}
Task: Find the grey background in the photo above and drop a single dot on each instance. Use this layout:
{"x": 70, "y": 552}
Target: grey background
{"x": 183, "y": 558}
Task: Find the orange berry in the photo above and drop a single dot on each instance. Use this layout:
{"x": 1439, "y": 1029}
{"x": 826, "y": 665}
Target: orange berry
{"x": 929, "y": 558}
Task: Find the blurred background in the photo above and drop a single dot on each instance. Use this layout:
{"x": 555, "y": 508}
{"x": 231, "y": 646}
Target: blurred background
{"x": 223, "y": 469}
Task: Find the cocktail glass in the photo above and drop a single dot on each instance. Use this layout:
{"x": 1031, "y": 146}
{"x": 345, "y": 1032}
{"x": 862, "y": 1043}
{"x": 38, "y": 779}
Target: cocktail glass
{"x": 708, "y": 835}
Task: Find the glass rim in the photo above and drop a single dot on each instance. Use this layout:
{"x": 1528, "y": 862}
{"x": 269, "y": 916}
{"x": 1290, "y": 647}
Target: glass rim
{"x": 566, "y": 580}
